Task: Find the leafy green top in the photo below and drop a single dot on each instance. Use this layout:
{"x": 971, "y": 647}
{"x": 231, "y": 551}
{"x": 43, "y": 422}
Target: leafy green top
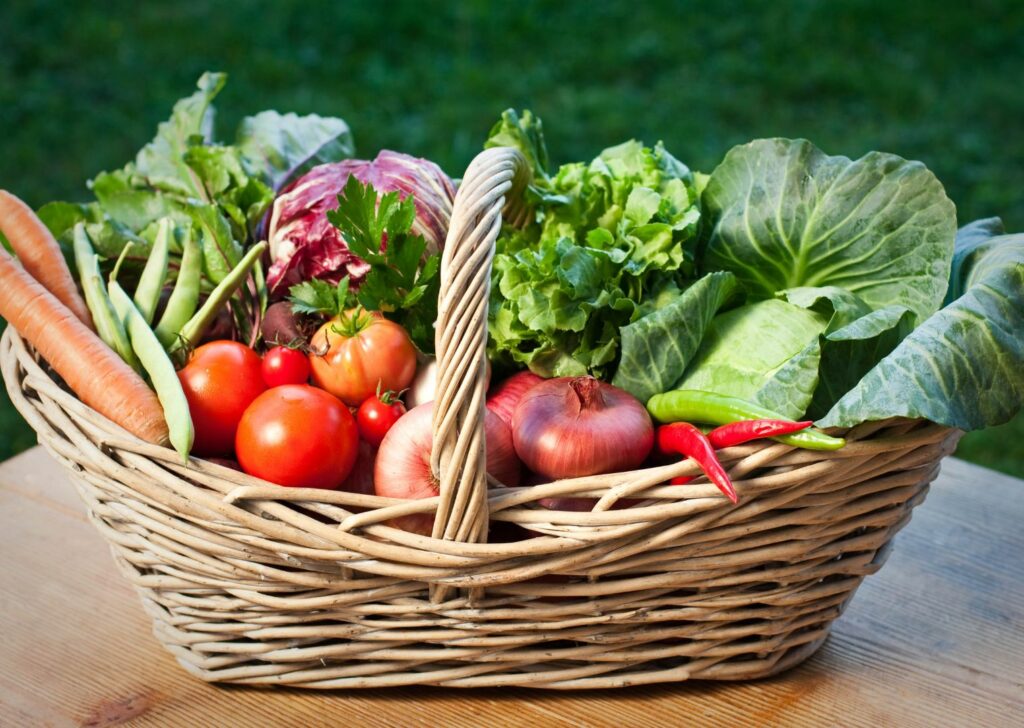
{"x": 610, "y": 241}
{"x": 221, "y": 191}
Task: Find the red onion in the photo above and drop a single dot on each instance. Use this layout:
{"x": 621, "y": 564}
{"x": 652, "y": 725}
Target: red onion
{"x": 504, "y": 397}
{"x": 403, "y": 462}
{"x": 424, "y": 385}
{"x": 575, "y": 426}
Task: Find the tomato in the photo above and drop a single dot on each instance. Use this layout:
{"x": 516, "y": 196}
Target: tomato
{"x": 376, "y": 415}
{"x": 282, "y": 365}
{"x": 357, "y": 353}
{"x": 299, "y": 436}
{"x": 221, "y": 380}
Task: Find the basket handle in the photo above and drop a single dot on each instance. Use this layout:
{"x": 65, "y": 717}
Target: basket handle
{"x": 458, "y": 459}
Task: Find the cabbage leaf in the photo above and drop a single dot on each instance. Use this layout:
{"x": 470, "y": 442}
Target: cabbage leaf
{"x": 284, "y": 146}
{"x": 765, "y": 352}
{"x": 657, "y": 348}
{"x": 783, "y": 214}
{"x": 964, "y": 367}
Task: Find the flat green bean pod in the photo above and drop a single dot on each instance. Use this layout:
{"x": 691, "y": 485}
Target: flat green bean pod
{"x": 160, "y": 369}
{"x": 184, "y": 300}
{"x": 690, "y": 405}
{"x": 108, "y": 323}
{"x": 193, "y": 331}
{"x": 154, "y": 275}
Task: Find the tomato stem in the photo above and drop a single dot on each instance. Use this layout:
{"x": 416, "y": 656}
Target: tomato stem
{"x": 352, "y": 323}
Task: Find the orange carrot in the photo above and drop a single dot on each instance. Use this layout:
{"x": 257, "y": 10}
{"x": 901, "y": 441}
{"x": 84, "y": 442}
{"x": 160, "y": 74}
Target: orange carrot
{"x": 40, "y": 254}
{"x": 95, "y": 373}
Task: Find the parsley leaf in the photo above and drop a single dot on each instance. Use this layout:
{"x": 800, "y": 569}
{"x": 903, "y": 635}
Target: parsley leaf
{"x": 403, "y": 282}
{"x": 317, "y": 297}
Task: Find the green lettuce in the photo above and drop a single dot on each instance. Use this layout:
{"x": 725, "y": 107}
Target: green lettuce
{"x": 964, "y": 367}
{"x": 606, "y": 240}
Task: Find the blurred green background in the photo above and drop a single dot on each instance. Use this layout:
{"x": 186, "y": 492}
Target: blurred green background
{"x": 82, "y": 88}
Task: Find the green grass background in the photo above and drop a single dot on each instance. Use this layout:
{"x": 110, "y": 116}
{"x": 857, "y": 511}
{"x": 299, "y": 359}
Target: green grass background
{"x": 83, "y": 86}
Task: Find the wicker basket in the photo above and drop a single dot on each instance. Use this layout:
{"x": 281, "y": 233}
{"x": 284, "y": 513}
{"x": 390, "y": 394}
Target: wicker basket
{"x": 249, "y": 582}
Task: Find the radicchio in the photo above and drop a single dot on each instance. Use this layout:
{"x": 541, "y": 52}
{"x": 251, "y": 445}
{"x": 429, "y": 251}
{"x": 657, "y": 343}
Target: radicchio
{"x": 304, "y": 244}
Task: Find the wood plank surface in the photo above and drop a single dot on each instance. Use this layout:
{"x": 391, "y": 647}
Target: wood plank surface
{"x": 936, "y": 638}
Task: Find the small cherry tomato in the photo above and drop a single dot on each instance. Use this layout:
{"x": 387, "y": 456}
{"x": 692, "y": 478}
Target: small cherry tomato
{"x": 354, "y": 355}
{"x": 377, "y": 414}
{"x": 221, "y": 380}
{"x": 282, "y": 365}
{"x": 299, "y": 436}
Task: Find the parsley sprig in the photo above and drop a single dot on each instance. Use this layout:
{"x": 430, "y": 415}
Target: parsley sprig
{"x": 403, "y": 282}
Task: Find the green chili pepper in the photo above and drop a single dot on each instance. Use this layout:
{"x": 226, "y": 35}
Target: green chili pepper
{"x": 184, "y": 300}
{"x": 154, "y": 275}
{"x": 108, "y": 324}
{"x": 160, "y": 369}
{"x": 193, "y": 331}
{"x": 689, "y": 405}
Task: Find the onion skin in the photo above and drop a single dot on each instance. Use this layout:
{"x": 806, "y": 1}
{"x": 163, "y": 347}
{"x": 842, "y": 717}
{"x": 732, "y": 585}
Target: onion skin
{"x": 506, "y": 396}
{"x": 402, "y": 469}
{"x": 575, "y": 426}
{"x": 424, "y": 384}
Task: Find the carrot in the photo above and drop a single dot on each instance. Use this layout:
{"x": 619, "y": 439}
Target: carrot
{"x": 40, "y": 254}
{"x": 95, "y": 373}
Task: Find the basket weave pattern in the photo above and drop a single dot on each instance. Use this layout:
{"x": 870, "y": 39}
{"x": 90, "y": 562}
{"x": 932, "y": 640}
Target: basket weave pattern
{"x": 253, "y": 583}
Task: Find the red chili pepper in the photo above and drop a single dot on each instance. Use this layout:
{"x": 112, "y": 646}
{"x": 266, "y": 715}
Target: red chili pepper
{"x": 685, "y": 439}
{"x": 736, "y": 433}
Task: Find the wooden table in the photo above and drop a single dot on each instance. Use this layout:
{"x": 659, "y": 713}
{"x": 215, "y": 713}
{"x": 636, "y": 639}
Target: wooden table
{"x": 937, "y": 638}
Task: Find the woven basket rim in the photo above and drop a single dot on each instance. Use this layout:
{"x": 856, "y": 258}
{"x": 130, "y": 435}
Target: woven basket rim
{"x": 237, "y": 487}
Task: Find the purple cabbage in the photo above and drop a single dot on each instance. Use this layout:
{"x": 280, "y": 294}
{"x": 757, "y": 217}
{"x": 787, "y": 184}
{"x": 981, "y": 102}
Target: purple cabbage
{"x": 305, "y": 245}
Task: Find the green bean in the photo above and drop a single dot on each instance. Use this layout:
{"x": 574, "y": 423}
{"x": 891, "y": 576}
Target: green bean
{"x": 120, "y": 260}
{"x": 193, "y": 331}
{"x": 160, "y": 369}
{"x": 261, "y": 286}
{"x": 108, "y": 324}
{"x": 690, "y": 405}
{"x": 154, "y": 275}
{"x": 185, "y": 297}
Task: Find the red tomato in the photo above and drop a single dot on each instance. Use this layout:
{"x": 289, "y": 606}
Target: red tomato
{"x": 221, "y": 379}
{"x": 282, "y": 365}
{"x": 376, "y": 415}
{"x": 299, "y": 436}
{"x": 359, "y": 352}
